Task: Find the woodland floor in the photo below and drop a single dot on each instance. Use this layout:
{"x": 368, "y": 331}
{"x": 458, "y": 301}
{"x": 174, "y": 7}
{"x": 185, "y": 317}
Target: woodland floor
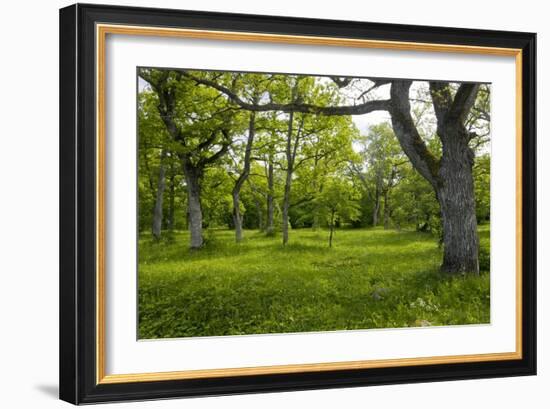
{"x": 370, "y": 278}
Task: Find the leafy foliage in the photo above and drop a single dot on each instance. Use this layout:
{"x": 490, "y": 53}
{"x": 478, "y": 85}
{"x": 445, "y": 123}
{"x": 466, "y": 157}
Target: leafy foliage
{"x": 337, "y": 203}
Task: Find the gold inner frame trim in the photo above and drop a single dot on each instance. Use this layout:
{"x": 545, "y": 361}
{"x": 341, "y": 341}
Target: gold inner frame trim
{"x": 101, "y": 33}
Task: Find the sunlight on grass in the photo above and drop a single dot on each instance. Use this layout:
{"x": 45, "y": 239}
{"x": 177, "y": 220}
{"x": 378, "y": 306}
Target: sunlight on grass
{"x": 370, "y": 278}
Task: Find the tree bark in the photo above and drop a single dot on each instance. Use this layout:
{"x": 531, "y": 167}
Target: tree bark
{"x": 457, "y": 201}
{"x": 157, "y": 210}
{"x": 193, "y": 176}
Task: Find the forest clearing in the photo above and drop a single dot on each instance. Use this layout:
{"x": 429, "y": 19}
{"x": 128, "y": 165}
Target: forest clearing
{"x": 371, "y": 278}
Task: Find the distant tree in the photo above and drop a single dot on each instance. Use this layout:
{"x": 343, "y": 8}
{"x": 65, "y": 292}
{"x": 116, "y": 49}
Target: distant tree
{"x": 415, "y": 203}
{"x": 378, "y": 171}
{"x": 338, "y": 201}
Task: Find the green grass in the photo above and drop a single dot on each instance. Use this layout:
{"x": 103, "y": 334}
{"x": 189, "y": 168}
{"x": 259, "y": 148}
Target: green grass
{"x": 371, "y": 278}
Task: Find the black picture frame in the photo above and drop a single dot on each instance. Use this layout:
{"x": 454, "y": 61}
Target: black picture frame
{"x": 78, "y": 360}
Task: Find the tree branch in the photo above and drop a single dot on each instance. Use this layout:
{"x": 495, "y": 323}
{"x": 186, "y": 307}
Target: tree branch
{"x": 407, "y": 134}
{"x": 464, "y": 101}
{"x": 441, "y": 98}
{"x": 222, "y": 151}
{"x": 369, "y": 106}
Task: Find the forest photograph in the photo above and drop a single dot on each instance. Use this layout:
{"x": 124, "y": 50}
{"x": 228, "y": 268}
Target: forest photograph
{"x": 288, "y": 203}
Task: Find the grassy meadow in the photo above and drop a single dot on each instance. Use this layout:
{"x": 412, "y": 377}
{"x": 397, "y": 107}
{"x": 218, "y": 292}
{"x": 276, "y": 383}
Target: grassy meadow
{"x": 370, "y": 278}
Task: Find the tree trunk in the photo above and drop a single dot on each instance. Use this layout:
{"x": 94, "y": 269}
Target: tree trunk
{"x": 331, "y": 229}
{"x": 171, "y": 198}
{"x": 286, "y": 206}
{"x": 157, "y": 211}
{"x": 193, "y": 177}
{"x": 457, "y": 201}
{"x": 386, "y": 210}
{"x": 269, "y": 222}
{"x": 288, "y": 181}
{"x": 376, "y": 209}
{"x": 315, "y": 224}
{"x": 150, "y": 182}
{"x": 237, "y": 217}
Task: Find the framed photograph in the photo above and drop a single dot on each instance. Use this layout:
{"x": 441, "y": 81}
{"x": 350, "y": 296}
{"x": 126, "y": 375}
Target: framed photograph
{"x": 257, "y": 203}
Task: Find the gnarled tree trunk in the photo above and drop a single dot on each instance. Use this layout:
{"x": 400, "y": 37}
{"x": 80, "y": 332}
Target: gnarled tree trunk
{"x": 451, "y": 176}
